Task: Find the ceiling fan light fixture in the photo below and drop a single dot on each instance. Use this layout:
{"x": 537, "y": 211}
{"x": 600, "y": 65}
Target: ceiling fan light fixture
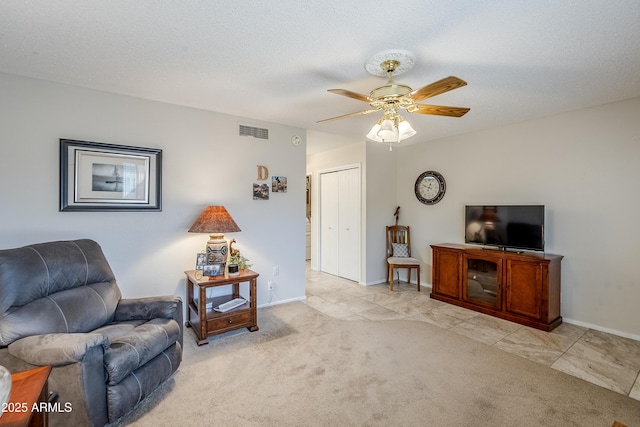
{"x": 373, "y": 133}
{"x": 389, "y": 130}
{"x": 405, "y": 130}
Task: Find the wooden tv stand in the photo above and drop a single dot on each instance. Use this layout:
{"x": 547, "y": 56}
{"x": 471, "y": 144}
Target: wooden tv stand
{"x": 523, "y": 287}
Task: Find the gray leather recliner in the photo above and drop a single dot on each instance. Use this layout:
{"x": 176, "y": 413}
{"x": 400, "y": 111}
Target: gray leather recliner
{"x": 60, "y": 305}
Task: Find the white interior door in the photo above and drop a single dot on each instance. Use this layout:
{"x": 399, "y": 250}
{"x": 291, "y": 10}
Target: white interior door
{"x": 329, "y": 223}
{"x": 340, "y": 223}
{"x": 349, "y": 224}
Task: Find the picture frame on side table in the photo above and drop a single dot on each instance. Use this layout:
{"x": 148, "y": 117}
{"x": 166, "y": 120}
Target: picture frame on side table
{"x": 201, "y": 260}
{"x": 214, "y": 269}
{"x": 96, "y": 176}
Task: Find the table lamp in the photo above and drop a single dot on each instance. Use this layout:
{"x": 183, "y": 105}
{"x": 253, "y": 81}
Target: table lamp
{"x": 216, "y": 221}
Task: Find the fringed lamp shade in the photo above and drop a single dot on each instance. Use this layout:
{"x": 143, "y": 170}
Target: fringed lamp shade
{"x": 216, "y": 221}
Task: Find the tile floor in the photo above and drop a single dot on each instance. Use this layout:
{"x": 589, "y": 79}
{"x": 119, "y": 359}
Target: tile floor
{"x": 606, "y": 360}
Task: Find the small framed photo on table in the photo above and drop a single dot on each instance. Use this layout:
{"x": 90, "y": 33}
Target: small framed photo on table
{"x": 201, "y": 261}
{"x": 214, "y": 269}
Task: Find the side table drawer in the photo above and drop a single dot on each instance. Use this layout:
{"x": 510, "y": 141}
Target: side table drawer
{"x": 230, "y": 321}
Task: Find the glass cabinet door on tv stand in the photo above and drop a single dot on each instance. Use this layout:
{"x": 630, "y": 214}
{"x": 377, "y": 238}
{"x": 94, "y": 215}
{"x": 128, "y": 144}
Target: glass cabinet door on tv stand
{"x": 482, "y": 280}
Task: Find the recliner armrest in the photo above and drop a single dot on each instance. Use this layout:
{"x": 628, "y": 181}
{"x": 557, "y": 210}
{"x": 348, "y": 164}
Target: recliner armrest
{"x": 164, "y": 307}
{"x": 55, "y": 349}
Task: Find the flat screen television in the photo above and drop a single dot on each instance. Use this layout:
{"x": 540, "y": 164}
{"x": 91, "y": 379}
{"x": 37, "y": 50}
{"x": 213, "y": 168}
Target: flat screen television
{"x": 505, "y": 226}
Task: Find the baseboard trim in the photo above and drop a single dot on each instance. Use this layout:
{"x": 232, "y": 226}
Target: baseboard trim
{"x": 380, "y": 282}
{"x": 601, "y": 329}
{"x": 283, "y": 301}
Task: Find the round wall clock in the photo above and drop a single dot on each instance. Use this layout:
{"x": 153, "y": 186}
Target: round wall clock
{"x": 430, "y": 187}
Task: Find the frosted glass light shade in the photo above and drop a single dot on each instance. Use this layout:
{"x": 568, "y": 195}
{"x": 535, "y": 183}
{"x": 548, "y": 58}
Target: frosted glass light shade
{"x": 387, "y": 131}
{"x": 380, "y": 131}
{"x": 405, "y": 130}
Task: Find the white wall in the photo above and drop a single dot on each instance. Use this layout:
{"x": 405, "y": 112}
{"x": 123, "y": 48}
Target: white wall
{"x": 583, "y": 166}
{"x": 381, "y": 202}
{"x": 205, "y": 162}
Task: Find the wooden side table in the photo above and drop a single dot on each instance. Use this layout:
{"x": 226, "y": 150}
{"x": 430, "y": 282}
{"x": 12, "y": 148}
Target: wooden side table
{"x": 27, "y": 388}
{"x": 207, "y": 322}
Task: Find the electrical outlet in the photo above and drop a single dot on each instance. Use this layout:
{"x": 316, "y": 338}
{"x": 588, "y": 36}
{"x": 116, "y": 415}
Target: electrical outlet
{"x": 276, "y": 270}
{"x": 270, "y": 285}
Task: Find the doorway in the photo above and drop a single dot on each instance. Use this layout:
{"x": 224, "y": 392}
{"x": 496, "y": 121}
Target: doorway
{"x": 308, "y": 221}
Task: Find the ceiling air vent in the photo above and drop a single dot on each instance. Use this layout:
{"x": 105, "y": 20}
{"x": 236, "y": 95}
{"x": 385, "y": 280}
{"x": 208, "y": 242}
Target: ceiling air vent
{"x": 254, "y": 132}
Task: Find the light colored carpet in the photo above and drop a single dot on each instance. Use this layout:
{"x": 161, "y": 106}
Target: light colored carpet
{"x": 303, "y": 368}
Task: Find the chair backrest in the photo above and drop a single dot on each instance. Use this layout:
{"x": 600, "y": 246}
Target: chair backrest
{"x": 400, "y": 234}
{"x": 55, "y": 287}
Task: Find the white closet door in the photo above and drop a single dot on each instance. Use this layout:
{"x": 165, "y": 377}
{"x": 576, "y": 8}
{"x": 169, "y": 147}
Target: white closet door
{"x": 340, "y": 223}
{"x": 329, "y": 223}
{"x": 349, "y": 226}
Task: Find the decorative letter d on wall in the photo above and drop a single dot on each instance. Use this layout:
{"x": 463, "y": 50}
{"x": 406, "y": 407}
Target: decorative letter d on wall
{"x": 263, "y": 173}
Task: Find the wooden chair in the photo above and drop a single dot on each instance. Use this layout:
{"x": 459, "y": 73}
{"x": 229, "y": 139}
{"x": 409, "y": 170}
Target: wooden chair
{"x": 399, "y": 253}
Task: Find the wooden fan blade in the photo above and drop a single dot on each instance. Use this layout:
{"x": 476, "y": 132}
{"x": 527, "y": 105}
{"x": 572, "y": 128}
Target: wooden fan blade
{"x": 350, "y": 94}
{"x": 438, "y": 110}
{"x": 359, "y": 113}
{"x": 437, "y": 88}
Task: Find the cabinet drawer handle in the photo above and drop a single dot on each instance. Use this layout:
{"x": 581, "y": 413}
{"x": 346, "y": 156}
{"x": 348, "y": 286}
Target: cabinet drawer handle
{"x": 229, "y": 321}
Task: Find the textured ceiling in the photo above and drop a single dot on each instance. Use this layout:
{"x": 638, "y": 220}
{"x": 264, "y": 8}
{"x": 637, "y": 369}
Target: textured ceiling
{"x": 274, "y": 60}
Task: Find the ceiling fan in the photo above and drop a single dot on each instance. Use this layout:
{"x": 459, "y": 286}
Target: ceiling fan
{"x": 392, "y": 97}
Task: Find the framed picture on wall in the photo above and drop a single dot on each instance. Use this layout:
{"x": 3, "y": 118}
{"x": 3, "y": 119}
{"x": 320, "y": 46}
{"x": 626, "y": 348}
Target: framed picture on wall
{"x": 260, "y": 191}
{"x": 95, "y": 176}
{"x": 278, "y": 184}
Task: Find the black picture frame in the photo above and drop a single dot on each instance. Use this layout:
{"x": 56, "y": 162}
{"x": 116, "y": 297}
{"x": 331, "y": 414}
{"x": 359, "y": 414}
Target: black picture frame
{"x": 101, "y": 177}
